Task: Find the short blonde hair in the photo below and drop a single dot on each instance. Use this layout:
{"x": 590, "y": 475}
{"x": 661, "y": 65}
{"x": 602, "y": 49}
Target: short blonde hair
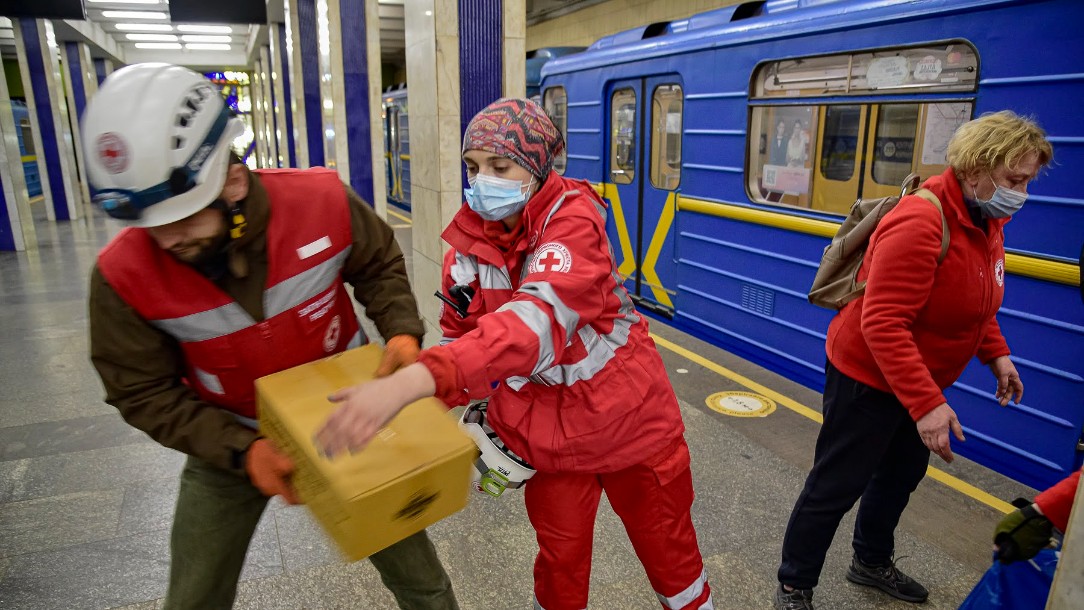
{"x": 997, "y": 138}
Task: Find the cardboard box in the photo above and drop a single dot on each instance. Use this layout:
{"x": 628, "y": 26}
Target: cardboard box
{"x": 414, "y": 473}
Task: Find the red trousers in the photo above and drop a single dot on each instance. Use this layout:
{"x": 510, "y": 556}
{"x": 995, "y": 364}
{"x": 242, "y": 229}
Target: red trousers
{"x": 653, "y": 500}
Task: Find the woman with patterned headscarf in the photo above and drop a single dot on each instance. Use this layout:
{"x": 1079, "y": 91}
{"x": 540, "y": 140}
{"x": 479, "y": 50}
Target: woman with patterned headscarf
{"x": 539, "y": 322}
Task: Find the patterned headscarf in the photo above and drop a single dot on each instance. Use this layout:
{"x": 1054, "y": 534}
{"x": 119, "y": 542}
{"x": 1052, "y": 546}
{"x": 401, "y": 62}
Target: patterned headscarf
{"x": 518, "y": 129}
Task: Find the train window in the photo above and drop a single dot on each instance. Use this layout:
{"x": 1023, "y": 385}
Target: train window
{"x": 555, "y": 101}
{"x": 393, "y": 134}
{"x": 402, "y": 132}
{"x": 841, "y": 129}
{"x": 780, "y": 157}
{"x": 28, "y": 136}
{"x": 666, "y": 110}
{"x": 623, "y": 136}
{"x": 951, "y": 66}
{"x": 861, "y": 150}
{"x": 894, "y": 146}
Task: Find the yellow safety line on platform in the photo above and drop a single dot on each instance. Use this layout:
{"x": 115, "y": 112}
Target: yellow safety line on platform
{"x": 936, "y": 474}
{"x": 405, "y": 219}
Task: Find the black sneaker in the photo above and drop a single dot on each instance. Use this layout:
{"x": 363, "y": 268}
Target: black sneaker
{"x": 798, "y": 599}
{"x": 889, "y": 579}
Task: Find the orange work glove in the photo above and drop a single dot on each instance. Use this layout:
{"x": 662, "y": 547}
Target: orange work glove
{"x": 401, "y": 350}
{"x": 270, "y": 471}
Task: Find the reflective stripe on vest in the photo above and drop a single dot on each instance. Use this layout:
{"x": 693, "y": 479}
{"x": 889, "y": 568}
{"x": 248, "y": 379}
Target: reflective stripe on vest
{"x": 285, "y": 295}
{"x": 466, "y": 269}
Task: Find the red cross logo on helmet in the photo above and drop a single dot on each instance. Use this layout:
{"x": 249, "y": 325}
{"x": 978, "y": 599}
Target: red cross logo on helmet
{"x": 112, "y": 152}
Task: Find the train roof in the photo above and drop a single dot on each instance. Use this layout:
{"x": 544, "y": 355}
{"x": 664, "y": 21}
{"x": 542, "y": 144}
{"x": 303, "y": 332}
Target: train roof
{"x": 750, "y": 22}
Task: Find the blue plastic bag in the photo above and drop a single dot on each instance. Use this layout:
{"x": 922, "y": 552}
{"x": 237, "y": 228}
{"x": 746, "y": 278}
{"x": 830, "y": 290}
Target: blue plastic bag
{"x": 1023, "y": 585}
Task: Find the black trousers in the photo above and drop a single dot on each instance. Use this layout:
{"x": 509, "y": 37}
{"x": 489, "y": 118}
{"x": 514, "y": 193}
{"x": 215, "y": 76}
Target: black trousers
{"x": 868, "y": 448}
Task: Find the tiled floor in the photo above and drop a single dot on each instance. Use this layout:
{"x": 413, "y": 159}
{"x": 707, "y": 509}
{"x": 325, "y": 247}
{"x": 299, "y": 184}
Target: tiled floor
{"x": 86, "y": 501}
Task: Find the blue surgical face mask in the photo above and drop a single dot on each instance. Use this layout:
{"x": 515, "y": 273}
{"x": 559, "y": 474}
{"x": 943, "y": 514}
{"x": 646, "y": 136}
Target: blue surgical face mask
{"x": 1002, "y": 204}
{"x": 495, "y": 198}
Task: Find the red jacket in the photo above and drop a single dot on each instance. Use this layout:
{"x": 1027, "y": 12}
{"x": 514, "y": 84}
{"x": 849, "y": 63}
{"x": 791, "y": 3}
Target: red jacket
{"x": 308, "y": 313}
{"x": 576, "y": 382}
{"x": 919, "y": 323}
{"x": 1057, "y": 502}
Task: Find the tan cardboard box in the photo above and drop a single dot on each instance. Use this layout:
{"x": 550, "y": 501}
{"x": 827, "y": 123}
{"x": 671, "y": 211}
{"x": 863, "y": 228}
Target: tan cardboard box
{"x": 414, "y": 473}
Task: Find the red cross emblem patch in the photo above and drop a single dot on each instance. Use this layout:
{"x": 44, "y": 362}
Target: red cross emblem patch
{"x": 331, "y": 335}
{"x": 112, "y": 152}
{"x": 551, "y": 257}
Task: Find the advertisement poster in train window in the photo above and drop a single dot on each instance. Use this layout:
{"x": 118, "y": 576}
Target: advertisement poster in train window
{"x": 941, "y": 122}
{"x": 789, "y": 150}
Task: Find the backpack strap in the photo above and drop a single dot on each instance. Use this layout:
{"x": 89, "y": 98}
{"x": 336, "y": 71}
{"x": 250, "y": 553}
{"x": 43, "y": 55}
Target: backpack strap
{"x": 929, "y": 196}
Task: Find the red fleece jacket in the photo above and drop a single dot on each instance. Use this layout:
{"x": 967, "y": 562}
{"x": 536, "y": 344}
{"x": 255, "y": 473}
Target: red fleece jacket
{"x": 919, "y": 323}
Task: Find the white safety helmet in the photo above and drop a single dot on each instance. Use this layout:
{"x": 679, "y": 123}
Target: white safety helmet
{"x": 497, "y": 468}
{"x": 157, "y": 140}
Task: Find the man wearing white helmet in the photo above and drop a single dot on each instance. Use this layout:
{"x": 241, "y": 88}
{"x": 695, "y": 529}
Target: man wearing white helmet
{"x": 223, "y": 276}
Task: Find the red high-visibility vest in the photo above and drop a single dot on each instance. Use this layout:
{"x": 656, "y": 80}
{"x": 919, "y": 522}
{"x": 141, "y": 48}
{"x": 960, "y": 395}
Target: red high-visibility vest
{"x": 307, "y": 312}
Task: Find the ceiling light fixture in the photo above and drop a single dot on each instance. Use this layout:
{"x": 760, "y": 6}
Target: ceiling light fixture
{"x": 206, "y": 29}
{"x": 158, "y": 45}
{"x": 144, "y": 27}
{"x": 133, "y": 15}
{"x": 204, "y": 38}
{"x": 152, "y": 37}
{"x": 207, "y": 47}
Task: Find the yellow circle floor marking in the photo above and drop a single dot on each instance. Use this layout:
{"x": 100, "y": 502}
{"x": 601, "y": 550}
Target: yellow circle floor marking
{"x": 741, "y": 404}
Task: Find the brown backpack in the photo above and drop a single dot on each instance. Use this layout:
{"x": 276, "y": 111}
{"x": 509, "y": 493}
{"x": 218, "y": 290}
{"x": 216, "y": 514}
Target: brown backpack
{"x": 836, "y": 283}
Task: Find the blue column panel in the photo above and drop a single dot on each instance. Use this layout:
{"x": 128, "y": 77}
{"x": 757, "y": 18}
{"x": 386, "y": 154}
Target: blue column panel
{"x": 356, "y": 92}
{"x": 7, "y": 227}
{"x": 43, "y": 105}
{"x": 75, "y": 69}
{"x": 271, "y": 103}
{"x": 310, "y": 79}
{"x": 99, "y": 69}
{"x": 480, "y": 56}
{"x": 287, "y": 105}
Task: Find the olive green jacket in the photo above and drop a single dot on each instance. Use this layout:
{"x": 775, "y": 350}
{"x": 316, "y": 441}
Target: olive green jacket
{"x": 142, "y": 368}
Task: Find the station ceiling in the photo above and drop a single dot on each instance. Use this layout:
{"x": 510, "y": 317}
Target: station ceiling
{"x": 142, "y": 31}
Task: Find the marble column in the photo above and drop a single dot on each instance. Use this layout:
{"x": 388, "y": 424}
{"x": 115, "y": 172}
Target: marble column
{"x": 16, "y": 223}
{"x": 37, "y": 49}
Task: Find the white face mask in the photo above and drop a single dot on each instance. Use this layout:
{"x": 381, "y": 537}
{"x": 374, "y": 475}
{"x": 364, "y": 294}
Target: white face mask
{"x": 1002, "y": 204}
{"x": 495, "y": 198}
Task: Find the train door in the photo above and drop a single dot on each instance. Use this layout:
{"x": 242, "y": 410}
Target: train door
{"x": 644, "y": 169}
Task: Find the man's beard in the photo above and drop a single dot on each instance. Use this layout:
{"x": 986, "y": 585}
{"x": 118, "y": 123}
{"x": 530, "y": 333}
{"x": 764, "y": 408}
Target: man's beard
{"x": 199, "y": 252}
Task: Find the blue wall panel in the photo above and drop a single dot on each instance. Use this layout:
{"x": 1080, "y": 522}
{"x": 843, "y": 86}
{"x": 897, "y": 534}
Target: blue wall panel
{"x": 43, "y": 106}
{"x": 310, "y": 80}
{"x": 7, "y": 225}
{"x": 75, "y": 70}
{"x": 356, "y": 91}
{"x": 480, "y": 62}
{"x": 99, "y": 69}
{"x": 287, "y": 101}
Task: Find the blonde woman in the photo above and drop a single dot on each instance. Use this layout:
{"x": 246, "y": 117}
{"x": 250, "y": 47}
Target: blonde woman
{"x": 892, "y": 352}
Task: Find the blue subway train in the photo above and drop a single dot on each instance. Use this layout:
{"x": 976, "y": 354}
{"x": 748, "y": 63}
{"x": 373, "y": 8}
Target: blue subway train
{"x": 538, "y": 58}
{"x": 730, "y": 145}
{"x": 26, "y": 148}
{"x": 397, "y": 124}
{"x": 397, "y": 146}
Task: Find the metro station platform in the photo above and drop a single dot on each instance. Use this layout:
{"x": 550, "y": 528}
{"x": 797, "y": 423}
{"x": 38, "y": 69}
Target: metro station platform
{"x": 86, "y": 501}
